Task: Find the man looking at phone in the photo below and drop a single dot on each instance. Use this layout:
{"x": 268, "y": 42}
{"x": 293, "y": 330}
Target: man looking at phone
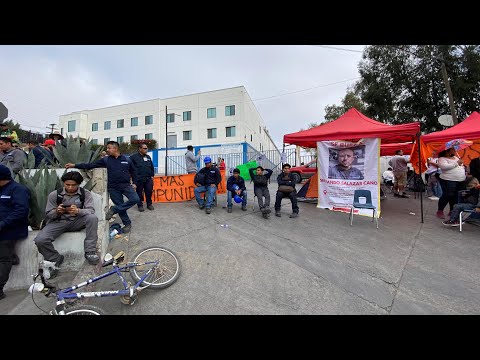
{"x": 69, "y": 209}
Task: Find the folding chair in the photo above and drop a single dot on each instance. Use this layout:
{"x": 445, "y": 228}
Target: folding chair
{"x": 368, "y": 204}
{"x": 461, "y": 216}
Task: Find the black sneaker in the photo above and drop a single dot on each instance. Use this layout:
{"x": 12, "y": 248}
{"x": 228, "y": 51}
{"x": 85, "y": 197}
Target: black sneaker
{"x": 244, "y": 208}
{"x": 277, "y": 213}
{"x": 92, "y": 257}
{"x": 150, "y": 207}
{"x": 229, "y": 210}
{"x": 127, "y": 228}
{"x": 396, "y": 195}
{"x": 109, "y": 213}
{"x": 267, "y": 210}
{"x": 202, "y": 207}
{"x": 294, "y": 215}
{"x": 2, "y": 295}
{"x": 59, "y": 261}
{"x": 208, "y": 210}
{"x": 141, "y": 209}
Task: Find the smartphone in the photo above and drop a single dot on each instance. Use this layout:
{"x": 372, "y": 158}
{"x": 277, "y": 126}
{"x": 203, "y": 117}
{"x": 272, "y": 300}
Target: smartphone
{"x": 65, "y": 206}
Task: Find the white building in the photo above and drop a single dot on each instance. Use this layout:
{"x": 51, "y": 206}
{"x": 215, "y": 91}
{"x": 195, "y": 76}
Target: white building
{"x": 219, "y": 117}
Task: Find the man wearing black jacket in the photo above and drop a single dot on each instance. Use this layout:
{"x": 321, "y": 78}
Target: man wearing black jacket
{"x": 207, "y": 180}
{"x": 142, "y": 162}
{"x": 286, "y": 188}
{"x": 236, "y": 186}
{"x": 14, "y": 207}
{"x": 121, "y": 182}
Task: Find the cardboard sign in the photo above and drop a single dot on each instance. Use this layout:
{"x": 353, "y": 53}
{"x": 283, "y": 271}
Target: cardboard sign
{"x": 179, "y": 187}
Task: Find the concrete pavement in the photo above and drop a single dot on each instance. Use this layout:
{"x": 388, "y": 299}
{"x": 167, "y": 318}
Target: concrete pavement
{"x": 314, "y": 264}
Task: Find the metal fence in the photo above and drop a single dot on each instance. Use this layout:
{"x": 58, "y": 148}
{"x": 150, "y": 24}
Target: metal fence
{"x": 270, "y": 159}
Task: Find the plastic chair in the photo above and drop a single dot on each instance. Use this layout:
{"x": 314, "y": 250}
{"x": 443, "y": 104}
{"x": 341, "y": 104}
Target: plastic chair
{"x": 462, "y": 194}
{"x": 368, "y": 204}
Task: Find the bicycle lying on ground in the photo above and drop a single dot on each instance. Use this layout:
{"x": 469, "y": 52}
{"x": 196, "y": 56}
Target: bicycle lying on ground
{"x": 153, "y": 267}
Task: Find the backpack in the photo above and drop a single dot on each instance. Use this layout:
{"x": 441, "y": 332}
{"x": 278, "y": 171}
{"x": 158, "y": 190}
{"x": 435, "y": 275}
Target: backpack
{"x": 82, "y": 198}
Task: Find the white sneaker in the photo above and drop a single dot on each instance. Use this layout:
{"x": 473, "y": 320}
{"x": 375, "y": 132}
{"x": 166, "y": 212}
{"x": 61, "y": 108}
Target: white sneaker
{"x": 434, "y": 198}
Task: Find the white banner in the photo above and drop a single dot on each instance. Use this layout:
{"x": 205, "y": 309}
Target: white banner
{"x": 345, "y": 166}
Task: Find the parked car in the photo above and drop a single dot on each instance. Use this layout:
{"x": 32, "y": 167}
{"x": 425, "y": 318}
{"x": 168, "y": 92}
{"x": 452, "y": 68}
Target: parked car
{"x": 302, "y": 172}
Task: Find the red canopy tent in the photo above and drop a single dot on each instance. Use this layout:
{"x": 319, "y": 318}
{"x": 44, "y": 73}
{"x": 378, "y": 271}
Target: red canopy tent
{"x": 390, "y": 149}
{"x": 352, "y": 126}
{"x": 468, "y": 129}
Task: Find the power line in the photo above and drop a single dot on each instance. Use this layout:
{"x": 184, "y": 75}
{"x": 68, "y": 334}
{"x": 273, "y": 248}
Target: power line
{"x": 337, "y": 48}
{"x": 303, "y": 90}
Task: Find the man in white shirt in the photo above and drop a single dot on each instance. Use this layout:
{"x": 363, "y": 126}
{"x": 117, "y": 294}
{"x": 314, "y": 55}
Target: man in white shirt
{"x": 388, "y": 178}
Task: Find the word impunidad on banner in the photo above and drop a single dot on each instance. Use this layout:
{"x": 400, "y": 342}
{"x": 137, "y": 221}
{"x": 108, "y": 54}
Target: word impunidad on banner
{"x": 179, "y": 187}
{"x": 348, "y": 182}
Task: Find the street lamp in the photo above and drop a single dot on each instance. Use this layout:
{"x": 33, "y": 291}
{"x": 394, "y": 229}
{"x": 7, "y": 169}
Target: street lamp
{"x": 166, "y": 137}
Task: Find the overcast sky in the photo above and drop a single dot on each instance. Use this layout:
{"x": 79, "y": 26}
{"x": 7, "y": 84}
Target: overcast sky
{"x": 39, "y": 83}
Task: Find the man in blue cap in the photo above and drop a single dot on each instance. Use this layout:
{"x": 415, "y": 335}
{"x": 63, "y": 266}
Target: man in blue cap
{"x": 14, "y": 207}
{"x": 207, "y": 180}
{"x": 236, "y": 186}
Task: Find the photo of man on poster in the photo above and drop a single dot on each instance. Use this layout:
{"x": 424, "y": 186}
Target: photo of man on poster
{"x": 341, "y": 163}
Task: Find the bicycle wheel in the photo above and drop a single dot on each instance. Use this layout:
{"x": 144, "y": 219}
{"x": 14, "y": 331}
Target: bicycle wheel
{"x": 84, "y": 310}
{"x": 165, "y": 273}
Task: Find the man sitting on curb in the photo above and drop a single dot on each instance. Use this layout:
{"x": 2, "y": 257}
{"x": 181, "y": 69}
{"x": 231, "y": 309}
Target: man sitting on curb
{"x": 69, "y": 209}
{"x": 207, "y": 180}
{"x": 286, "y": 188}
{"x": 236, "y": 186}
{"x": 260, "y": 188}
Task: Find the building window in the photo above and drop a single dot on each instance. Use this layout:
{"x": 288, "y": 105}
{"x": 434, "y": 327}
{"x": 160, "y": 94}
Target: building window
{"x": 170, "y": 118}
{"x": 251, "y": 137}
{"x": 211, "y": 113}
{"x": 187, "y": 135}
{"x": 149, "y": 136}
{"x": 94, "y": 141}
{"x": 230, "y": 131}
{"x": 61, "y": 131}
{"x": 149, "y": 120}
{"x": 95, "y": 127}
{"x": 211, "y": 133}
{"x": 105, "y": 141}
{"x": 120, "y": 139}
{"x": 72, "y": 125}
{"x": 119, "y": 123}
{"x": 230, "y": 110}
{"x": 133, "y": 137}
{"x": 260, "y": 129}
{"x": 107, "y": 125}
{"x": 187, "y": 115}
{"x": 134, "y": 121}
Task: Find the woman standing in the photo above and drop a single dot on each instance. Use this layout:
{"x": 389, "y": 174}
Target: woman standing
{"x": 452, "y": 179}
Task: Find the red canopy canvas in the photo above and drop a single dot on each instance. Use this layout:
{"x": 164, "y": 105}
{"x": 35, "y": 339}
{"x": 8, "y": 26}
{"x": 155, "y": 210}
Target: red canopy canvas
{"x": 390, "y": 149}
{"x": 353, "y": 126}
{"x": 468, "y": 129}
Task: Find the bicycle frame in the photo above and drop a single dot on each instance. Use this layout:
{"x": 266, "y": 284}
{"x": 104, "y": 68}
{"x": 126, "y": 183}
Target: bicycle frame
{"x": 130, "y": 291}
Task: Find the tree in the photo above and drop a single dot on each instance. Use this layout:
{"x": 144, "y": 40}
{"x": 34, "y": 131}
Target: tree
{"x": 351, "y": 100}
{"x": 400, "y": 84}
{"x": 14, "y": 126}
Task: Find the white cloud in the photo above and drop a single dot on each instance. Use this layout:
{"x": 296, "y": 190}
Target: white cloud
{"x": 39, "y": 83}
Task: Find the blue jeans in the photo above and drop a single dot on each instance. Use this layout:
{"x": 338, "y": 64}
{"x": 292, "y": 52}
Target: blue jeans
{"x": 243, "y": 195}
{"x": 458, "y": 208}
{"x": 121, "y": 207}
{"x": 211, "y": 191}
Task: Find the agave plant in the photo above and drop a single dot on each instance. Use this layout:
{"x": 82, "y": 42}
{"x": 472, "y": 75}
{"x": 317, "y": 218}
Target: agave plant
{"x": 74, "y": 151}
{"x": 40, "y": 184}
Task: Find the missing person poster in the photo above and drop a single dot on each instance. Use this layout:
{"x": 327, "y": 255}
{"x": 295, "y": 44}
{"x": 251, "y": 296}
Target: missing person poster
{"x": 344, "y": 167}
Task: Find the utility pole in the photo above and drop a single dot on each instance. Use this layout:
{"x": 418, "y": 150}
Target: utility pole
{"x": 53, "y": 126}
{"x": 449, "y": 91}
{"x": 166, "y": 139}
